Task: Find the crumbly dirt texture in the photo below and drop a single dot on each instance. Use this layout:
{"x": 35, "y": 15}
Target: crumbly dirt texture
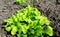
{"x": 49, "y": 8}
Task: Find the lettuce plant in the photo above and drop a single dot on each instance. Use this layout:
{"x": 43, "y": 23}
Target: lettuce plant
{"x": 29, "y": 22}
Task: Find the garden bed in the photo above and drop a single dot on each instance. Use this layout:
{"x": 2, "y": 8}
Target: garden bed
{"x": 49, "y": 8}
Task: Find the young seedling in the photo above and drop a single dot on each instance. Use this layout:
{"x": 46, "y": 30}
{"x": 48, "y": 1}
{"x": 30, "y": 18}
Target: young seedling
{"x": 25, "y": 1}
{"x": 20, "y": 1}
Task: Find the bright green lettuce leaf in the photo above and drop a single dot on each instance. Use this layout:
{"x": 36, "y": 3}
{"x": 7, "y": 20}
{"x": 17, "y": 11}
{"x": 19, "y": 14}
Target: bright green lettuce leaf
{"x": 49, "y": 31}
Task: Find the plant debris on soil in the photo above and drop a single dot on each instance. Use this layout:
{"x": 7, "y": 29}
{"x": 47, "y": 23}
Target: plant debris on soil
{"x": 50, "y": 8}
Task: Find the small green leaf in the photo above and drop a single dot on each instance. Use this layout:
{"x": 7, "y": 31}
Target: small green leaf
{"x": 49, "y": 31}
{"x": 24, "y": 29}
{"x": 42, "y": 20}
{"x": 14, "y": 30}
{"x": 8, "y": 28}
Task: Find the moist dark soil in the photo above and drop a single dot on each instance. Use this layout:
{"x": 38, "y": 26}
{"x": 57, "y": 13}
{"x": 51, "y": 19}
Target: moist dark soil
{"x": 50, "y": 8}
